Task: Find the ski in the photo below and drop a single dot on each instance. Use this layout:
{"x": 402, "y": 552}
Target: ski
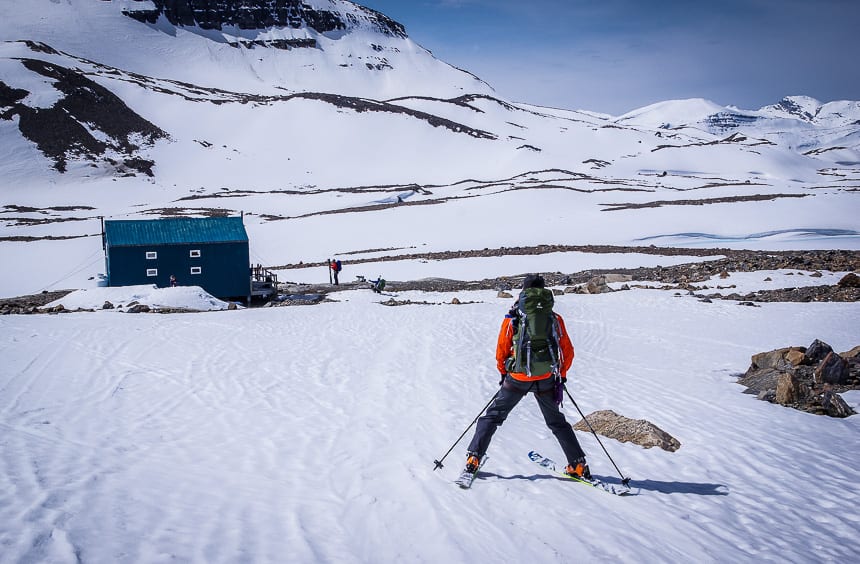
{"x": 547, "y": 463}
{"x": 466, "y": 478}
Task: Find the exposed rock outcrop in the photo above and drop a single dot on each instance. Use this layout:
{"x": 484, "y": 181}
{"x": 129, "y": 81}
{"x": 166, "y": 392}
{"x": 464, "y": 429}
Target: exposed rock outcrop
{"x": 66, "y": 129}
{"x": 805, "y": 378}
{"x": 637, "y": 431}
{"x": 677, "y": 277}
{"x": 263, "y": 14}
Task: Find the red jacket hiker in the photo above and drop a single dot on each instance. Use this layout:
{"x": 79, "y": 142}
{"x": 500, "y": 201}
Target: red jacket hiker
{"x": 514, "y": 387}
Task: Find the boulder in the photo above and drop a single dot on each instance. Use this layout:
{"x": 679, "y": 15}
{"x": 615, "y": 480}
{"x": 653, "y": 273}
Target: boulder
{"x": 850, "y": 280}
{"x": 760, "y": 380}
{"x": 597, "y": 285}
{"x": 779, "y": 359}
{"x": 789, "y": 389}
{"x": 835, "y": 406}
{"x": 795, "y": 356}
{"x": 623, "y": 429}
{"x": 504, "y": 295}
{"x": 610, "y": 278}
{"x": 832, "y": 370}
{"x": 817, "y": 351}
{"x": 853, "y": 353}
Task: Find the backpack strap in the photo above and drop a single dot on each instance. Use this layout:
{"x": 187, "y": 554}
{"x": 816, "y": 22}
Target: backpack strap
{"x": 525, "y": 346}
{"x": 554, "y": 347}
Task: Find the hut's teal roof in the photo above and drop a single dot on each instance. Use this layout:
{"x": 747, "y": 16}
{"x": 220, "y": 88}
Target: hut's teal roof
{"x": 174, "y": 231}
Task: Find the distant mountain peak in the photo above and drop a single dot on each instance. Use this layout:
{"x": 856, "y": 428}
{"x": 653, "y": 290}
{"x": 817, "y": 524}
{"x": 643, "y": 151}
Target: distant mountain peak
{"x": 322, "y": 16}
{"x": 801, "y": 107}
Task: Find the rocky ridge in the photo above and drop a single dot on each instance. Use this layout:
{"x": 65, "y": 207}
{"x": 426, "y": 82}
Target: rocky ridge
{"x": 686, "y": 278}
{"x": 88, "y": 121}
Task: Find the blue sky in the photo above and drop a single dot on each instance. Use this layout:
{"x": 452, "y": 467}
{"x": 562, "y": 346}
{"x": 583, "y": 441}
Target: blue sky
{"x": 617, "y": 55}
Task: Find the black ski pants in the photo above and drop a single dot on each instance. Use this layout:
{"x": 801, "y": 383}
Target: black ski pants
{"x": 509, "y": 396}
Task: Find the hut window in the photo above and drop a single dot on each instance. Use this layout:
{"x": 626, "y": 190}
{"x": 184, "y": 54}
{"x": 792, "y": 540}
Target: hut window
{"x": 152, "y": 272}
{"x": 195, "y": 253}
{"x": 196, "y": 270}
{"x": 151, "y": 255}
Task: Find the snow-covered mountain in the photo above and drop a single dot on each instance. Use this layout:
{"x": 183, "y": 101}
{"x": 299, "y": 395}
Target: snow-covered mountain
{"x": 259, "y": 47}
{"x": 295, "y": 110}
{"x": 299, "y": 75}
{"x": 800, "y": 123}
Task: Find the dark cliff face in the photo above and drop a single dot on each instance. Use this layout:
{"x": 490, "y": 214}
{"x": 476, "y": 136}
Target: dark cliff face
{"x": 729, "y": 120}
{"x": 65, "y": 130}
{"x": 261, "y": 14}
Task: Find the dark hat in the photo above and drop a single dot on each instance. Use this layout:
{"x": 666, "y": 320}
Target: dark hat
{"x": 533, "y": 281}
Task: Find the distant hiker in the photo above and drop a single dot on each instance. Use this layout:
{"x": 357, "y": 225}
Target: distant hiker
{"x": 533, "y": 354}
{"x": 377, "y": 285}
{"x": 335, "y": 266}
{"x": 172, "y": 281}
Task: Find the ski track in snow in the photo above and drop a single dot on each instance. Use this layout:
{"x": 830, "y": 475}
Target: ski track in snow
{"x": 240, "y": 436}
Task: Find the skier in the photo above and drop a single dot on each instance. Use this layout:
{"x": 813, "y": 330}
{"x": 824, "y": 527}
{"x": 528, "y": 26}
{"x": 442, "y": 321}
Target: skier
{"x": 515, "y": 385}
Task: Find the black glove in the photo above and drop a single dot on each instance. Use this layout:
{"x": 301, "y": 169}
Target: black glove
{"x": 502, "y": 378}
{"x": 564, "y": 379}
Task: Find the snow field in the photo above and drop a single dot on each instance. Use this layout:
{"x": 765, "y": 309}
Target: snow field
{"x": 308, "y": 433}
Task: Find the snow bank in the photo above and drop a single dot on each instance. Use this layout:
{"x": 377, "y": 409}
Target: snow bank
{"x": 180, "y": 297}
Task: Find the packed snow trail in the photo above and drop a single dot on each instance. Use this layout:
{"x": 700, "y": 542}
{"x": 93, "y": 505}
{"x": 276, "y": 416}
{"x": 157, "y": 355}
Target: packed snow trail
{"x": 308, "y": 434}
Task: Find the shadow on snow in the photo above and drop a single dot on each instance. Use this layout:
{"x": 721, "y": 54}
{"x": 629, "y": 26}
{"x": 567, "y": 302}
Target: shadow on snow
{"x": 650, "y": 485}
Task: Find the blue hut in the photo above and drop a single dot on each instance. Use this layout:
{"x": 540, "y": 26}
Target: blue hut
{"x": 210, "y": 252}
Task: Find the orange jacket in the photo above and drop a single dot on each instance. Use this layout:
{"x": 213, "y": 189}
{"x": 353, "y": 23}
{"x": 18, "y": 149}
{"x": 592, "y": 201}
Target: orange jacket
{"x": 505, "y": 348}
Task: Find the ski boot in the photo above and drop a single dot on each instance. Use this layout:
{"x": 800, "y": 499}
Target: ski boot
{"x": 472, "y": 462}
{"x": 579, "y": 469}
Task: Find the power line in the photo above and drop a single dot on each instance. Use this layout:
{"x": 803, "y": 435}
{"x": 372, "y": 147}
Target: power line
{"x": 78, "y": 269}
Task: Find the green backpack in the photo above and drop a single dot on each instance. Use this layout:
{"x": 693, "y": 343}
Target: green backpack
{"x": 535, "y": 334}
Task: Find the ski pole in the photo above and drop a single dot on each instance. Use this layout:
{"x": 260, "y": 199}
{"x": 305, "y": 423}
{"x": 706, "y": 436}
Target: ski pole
{"x": 438, "y": 463}
{"x": 624, "y": 481}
